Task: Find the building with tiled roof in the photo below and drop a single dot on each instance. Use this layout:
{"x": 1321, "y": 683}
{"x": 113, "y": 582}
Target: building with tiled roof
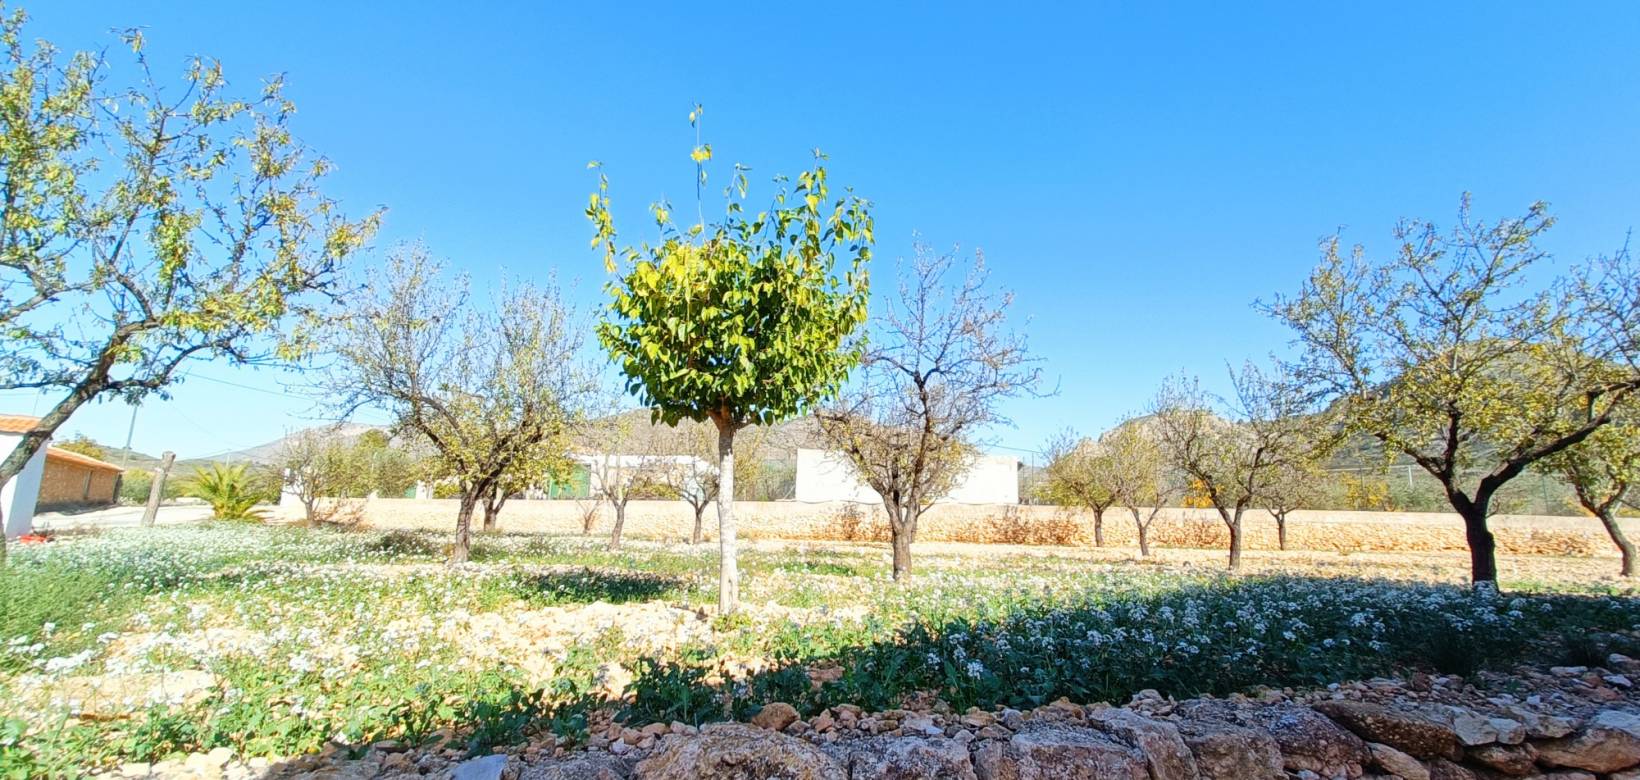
{"x": 54, "y": 478}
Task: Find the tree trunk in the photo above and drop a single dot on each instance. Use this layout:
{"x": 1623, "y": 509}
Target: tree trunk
{"x": 728, "y": 572}
{"x": 699, "y": 533}
{"x": 1234, "y": 524}
{"x": 1098, "y": 527}
{"x": 1483, "y": 559}
{"x": 1608, "y": 518}
{"x": 156, "y": 491}
{"x": 461, "y": 550}
{"x": 589, "y": 518}
{"x": 1281, "y": 530}
{"x": 902, "y": 530}
{"x": 620, "y": 523}
{"x": 492, "y": 508}
{"x": 1144, "y": 532}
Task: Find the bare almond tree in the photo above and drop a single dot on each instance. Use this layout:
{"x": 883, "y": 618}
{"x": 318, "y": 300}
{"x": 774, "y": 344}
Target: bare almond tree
{"x": 940, "y": 363}
{"x": 1231, "y": 449}
{"x": 693, "y": 477}
{"x": 626, "y": 464}
{"x": 1293, "y": 486}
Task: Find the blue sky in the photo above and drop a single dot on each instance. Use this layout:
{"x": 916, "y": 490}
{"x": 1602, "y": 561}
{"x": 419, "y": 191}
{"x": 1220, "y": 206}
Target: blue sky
{"x": 1136, "y": 175}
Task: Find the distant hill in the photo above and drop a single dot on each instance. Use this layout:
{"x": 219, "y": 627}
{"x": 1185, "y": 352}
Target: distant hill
{"x": 269, "y": 452}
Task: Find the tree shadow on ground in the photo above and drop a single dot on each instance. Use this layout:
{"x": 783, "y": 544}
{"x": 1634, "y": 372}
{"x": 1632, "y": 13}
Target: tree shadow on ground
{"x": 584, "y": 585}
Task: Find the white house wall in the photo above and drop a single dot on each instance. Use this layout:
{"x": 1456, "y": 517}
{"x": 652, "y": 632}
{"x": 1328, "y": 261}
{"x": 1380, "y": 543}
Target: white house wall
{"x": 17, "y": 497}
{"x": 827, "y": 475}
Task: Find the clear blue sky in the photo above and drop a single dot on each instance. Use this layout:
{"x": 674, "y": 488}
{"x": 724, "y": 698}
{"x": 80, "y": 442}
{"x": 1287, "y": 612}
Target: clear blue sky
{"x": 1138, "y": 176}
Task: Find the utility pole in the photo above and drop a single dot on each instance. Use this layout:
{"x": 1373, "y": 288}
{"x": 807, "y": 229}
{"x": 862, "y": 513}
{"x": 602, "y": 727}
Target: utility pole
{"x": 125, "y": 460}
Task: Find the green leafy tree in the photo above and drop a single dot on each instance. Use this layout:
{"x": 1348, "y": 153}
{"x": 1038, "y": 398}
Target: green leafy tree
{"x": 1080, "y": 473}
{"x": 144, "y": 227}
{"x": 1603, "y": 471}
{"x": 1460, "y": 353}
{"x": 740, "y": 322}
{"x": 84, "y": 445}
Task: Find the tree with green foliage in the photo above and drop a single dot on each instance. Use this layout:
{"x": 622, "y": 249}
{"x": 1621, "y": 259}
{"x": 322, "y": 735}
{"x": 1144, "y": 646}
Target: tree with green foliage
{"x": 1231, "y": 449}
{"x": 741, "y": 322}
{"x": 1462, "y": 354}
{"x": 231, "y": 490}
{"x": 483, "y": 388}
{"x": 143, "y": 227}
{"x": 1080, "y": 474}
{"x": 1142, "y": 481}
{"x": 83, "y": 444}
{"x": 1603, "y": 471}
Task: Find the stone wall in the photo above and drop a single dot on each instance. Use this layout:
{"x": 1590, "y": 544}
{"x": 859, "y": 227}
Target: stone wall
{"x": 1199, "y": 528}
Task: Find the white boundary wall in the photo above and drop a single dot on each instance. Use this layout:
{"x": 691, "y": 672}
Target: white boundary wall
{"x": 17, "y": 497}
{"x": 827, "y": 475}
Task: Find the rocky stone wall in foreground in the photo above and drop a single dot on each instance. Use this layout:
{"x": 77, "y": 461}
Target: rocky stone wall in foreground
{"x": 1563, "y": 723}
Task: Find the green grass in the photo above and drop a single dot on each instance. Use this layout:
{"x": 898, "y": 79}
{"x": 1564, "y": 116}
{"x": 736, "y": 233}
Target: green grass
{"x": 360, "y": 636}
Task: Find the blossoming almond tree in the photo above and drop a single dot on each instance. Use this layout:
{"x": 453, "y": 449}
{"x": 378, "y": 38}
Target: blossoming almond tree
{"x": 745, "y": 321}
{"x": 143, "y": 227}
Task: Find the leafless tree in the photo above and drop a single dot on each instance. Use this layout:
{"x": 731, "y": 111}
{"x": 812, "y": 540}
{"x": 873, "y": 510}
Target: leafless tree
{"x": 625, "y": 464}
{"x": 693, "y": 478}
{"x": 1232, "y": 449}
{"x": 1292, "y": 486}
{"x": 941, "y": 361}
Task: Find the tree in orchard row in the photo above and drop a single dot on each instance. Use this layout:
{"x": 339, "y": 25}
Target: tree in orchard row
{"x": 143, "y": 227}
{"x": 1232, "y": 449}
{"x": 1456, "y": 353}
{"x": 485, "y": 389}
{"x": 1079, "y": 474}
{"x": 1604, "y": 473}
{"x": 744, "y": 321}
{"x": 940, "y": 363}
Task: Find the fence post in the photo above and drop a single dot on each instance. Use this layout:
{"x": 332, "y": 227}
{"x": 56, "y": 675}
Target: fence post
{"x": 157, "y": 490}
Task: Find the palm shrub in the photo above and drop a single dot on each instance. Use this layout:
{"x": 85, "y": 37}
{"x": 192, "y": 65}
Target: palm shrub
{"x": 230, "y": 490}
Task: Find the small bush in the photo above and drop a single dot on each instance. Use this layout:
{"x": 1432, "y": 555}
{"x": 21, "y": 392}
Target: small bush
{"x": 230, "y": 490}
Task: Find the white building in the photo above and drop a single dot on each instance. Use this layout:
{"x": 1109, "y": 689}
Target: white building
{"x": 18, "y": 496}
{"x": 827, "y": 475}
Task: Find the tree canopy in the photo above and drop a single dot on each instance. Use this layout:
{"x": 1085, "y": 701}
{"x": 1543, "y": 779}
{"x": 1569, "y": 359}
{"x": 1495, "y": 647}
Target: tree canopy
{"x": 1463, "y": 353}
{"x": 747, "y": 320}
{"x": 144, "y": 226}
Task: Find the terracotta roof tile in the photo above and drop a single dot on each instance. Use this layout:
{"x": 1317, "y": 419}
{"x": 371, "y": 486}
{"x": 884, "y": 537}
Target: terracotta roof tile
{"x": 17, "y": 423}
{"x": 66, "y": 456}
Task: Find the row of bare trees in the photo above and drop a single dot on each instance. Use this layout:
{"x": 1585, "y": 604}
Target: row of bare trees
{"x": 1259, "y": 448}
